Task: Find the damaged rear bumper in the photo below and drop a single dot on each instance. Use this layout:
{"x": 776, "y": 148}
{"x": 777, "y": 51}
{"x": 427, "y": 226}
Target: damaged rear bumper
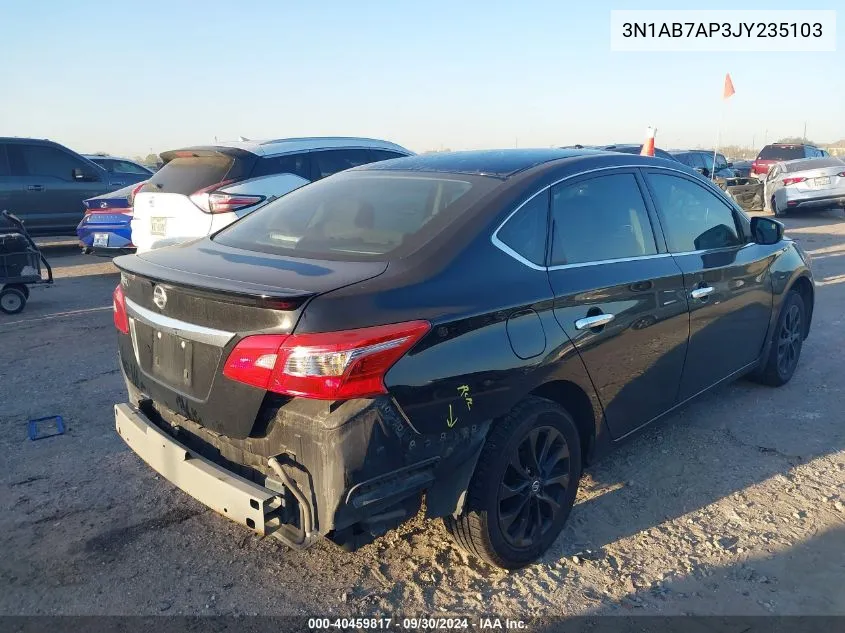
{"x": 255, "y": 507}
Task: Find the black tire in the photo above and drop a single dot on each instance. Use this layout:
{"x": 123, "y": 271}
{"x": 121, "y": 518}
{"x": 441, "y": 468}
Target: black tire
{"x": 538, "y": 503}
{"x": 12, "y": 300}
{"x": 778, "y": 212}
{"x": 787, "y": 341}
{"x": 23, "y": 288}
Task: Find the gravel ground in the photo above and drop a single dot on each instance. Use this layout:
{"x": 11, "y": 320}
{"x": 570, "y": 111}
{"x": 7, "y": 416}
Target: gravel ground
{"x": 734, "y": 506}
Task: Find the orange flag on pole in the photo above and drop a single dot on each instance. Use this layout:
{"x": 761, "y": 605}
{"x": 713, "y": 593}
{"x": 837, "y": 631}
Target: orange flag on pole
{"x": 729, "y": 87}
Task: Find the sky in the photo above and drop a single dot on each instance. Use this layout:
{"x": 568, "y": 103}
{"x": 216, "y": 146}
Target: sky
{"x": 132, "y": 78}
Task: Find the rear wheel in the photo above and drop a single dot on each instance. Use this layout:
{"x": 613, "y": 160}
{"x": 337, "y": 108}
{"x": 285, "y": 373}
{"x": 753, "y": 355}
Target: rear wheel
{"x": 787, "y": 340}
{"x": 12, "y": 300}
{"x": 523, "y": 488}
{"x": 778, "y": 212}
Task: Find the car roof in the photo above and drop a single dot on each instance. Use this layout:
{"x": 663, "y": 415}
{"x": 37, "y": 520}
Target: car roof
{"x": 274, "y": 147}
{"x": 505, "y": 163}
{"x": 109, "y": 156}
{"x": 789, "y": 145}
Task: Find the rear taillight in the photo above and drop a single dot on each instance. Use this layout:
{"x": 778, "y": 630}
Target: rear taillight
{"x": 792, "y": 181}
{"x": 131, "y": 197}
{"x": 841, "y": 174}
{"x": 212, "y": 201}
{"x": 121, "y": 318}
{"x": 325, "y": 366}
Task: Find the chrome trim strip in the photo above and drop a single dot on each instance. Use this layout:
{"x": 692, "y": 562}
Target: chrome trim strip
{"x": 494, "y": 239}
{"x": 610, "y": 261}
{"x": 185, "y": 330}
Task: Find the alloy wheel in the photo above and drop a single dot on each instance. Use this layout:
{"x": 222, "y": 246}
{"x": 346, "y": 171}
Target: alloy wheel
{"x": 532, "y": 490}
{"x": 789, "y": 340}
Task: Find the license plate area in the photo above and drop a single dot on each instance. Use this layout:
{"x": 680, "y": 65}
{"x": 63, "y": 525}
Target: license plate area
{"x": 101, "y": 239}
{"x": 158, "y": 226}
{"x": 173, "y": 359}
{"x": 821, "y": 182}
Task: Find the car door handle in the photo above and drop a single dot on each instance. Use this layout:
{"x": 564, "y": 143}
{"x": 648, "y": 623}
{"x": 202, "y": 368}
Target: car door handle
{"x": 701, "y": 293}
{"x": 590, "y": 322}
{"x": 118, "y": 183}
{"x": 35, "y": 187}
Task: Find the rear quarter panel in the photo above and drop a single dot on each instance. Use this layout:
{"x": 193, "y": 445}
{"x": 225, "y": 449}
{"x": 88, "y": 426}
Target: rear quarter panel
{"x": 484, "y": 307}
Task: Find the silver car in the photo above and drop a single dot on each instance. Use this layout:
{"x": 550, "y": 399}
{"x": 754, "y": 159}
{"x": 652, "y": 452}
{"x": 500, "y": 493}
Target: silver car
{"x": 805, "y": 183}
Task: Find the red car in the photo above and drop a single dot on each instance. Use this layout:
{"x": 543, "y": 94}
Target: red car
{"x": 777, "y": 152}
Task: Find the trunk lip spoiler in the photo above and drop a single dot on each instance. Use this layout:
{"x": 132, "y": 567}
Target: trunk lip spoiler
{"x": 216, "y": 288}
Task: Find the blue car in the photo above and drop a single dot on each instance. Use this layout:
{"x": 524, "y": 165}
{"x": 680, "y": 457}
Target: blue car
{"x": 105, "y": 228}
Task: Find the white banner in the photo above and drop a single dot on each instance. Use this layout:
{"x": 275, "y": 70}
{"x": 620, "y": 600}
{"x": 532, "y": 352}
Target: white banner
{"x": 715, "y": 31}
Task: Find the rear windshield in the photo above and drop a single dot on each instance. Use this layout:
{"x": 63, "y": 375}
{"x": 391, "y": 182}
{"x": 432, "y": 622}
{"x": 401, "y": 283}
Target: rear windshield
{"x": 773, "y": 152}
{"x": 190, "y": 174}
{"x": 812, "y": 163}
{"x": 357, "y": 216}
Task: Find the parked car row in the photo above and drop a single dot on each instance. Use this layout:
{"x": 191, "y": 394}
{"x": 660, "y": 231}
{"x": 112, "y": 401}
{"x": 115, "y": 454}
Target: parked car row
{"x": 744, "y": 191}
{"x": 805, "y": 183}
{"x": 199, "y": 190}
{"x": 779, "y": 152}
{"x": 471, "y": 327}
{"x": 44, "y": 183}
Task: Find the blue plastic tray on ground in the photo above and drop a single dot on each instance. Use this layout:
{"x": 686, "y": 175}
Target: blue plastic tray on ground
{"x": 34, "y": 432}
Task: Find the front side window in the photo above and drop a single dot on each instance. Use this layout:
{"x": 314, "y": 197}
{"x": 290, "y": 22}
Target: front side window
{"x": 525, "y": 231}
{"x": 600, "y": 219}
{"x": 694, "y": 218}
{"x": 331, "y": 161}
{"x": 45, "y": 161}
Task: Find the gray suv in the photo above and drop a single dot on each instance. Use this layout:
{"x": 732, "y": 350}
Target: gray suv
{"x": 44, "y": 184}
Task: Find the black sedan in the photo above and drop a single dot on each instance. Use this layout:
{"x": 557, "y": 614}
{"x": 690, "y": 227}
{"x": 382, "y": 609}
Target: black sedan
{"x": 471, "y": 327}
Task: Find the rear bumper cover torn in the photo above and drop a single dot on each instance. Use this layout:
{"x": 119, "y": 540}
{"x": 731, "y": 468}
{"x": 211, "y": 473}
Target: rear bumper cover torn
{"x": 253, "y": 506}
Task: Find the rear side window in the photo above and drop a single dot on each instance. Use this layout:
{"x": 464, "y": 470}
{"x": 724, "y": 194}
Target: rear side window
{"x": 50, "y": 162}
{"x": 331, "y": 161}
{"x": 125, "y": 167}
{"x": 694, "y": 219}
{"x": 356, "y": 216}
{"x": 189, "y": 174}
{"x": 525, "y": 231}
{"x": 600, "y": 219}
{"x": 773, "y": 152}
{"x": 297, "y": 164}
{"x": 377, "y": 155}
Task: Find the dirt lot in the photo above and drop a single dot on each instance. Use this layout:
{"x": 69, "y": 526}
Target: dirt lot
{"x": 735, "y": 506}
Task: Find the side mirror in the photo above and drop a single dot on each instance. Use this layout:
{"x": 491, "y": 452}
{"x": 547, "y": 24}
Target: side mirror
{"x": 730, "y": 165}
{"x": 703, "y": 171}
{"x": 766, "y": 230}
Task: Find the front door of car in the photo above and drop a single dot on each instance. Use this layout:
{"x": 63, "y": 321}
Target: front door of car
{"x": 618, "y": 295}
{"x": 52, "y": 196}
{"x": 726, "y": 278}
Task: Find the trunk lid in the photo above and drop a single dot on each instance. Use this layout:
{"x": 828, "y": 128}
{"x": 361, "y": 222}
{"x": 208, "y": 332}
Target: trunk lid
{"x": 190, "y": 305}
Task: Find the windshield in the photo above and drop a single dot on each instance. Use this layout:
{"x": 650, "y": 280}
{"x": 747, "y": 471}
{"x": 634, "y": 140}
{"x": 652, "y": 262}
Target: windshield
{"x": 357, "y": 216}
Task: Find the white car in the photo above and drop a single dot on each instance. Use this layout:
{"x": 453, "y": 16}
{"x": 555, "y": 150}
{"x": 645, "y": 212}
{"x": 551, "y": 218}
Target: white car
{"x": 199, "y": 190}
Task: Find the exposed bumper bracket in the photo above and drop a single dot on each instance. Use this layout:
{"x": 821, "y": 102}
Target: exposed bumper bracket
{"x": 236, "y": 498}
